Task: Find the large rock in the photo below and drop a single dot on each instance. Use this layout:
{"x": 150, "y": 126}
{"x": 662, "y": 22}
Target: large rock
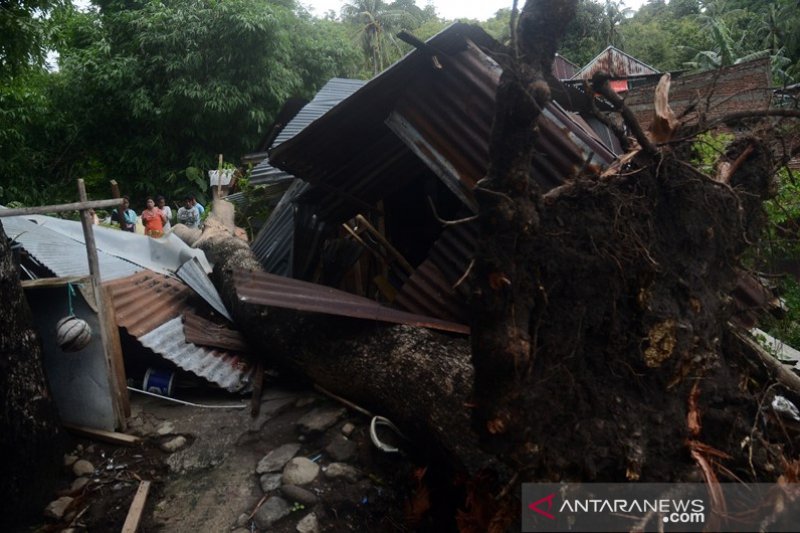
{"x": 79, "y": 483}
{"x": 270, "y": 482}
{"x": 82, "y": 467}
{"x": 57, "y": 508}
{"x": 342, "y": 470}
{"x": 299, "y": 494}
{"x": 300, "y": 471}
{"x": 273, "y": 510}
{"x": 341, "y": 448}
{"x": 308, "y": 524}
{"x": 275, "y": 460}
{"x": 319, "y": 420}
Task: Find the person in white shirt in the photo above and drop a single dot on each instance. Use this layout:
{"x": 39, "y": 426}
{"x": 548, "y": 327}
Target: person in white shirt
{"x": 188, "y": 215}
{"x": 161, "y": 202}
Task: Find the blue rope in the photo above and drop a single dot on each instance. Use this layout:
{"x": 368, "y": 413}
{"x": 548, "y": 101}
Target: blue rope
{"x": 70, "y": 294}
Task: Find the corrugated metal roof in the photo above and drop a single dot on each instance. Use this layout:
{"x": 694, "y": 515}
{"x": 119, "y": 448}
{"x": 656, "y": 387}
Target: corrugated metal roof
{"x": 149, "y": 306}
{"x": 563, "y": 68}
{"x": 430, "y": 289}
{"x": 329, "y": 96}
{"x": 193, "y": 274}
{"x": 276, "y": 291}
{"x": 147, "y": 300}
{"x": 427, "y": 292}
{"x": 333, "y": 92}
{"x": 227, "y": 370}
{"x": 273, "y": 244}
{"x": 723, "y": 91}
{"x": 164, "y": 255}
{"x": 63, "y": 255}
{"x": 353, "y": 158}
{"x": 616, "y": 63}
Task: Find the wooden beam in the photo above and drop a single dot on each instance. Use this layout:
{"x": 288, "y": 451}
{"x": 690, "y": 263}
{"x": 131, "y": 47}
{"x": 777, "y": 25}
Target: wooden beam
{"x": 60, "y": 208}
{"x": 137, "y": 506}
{"x": 381, "y": 239}
{"x": 115, "y": 354}
{"x": 53, "y": 282}
{"x": 112, "y": 437}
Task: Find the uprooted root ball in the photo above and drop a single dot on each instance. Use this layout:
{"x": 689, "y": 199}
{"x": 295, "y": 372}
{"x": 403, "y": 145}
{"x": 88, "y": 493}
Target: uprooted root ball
{"x": 637, "y": 269}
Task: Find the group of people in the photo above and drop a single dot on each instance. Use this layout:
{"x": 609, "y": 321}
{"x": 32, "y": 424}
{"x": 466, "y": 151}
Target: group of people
{"x": 157, "y": 215}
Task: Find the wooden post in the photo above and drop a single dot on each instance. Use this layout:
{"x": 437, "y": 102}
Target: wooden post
{"x": 119, "y": 395}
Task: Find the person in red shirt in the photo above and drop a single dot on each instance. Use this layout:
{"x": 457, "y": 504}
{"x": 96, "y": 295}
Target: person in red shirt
{"x": 153, "y": 219}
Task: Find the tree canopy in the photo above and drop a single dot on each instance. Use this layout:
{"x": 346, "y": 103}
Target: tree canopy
{"x": 147, "y": 92}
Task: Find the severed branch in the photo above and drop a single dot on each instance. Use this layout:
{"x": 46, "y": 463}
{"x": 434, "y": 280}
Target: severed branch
{"x": 739, "y": 115}
{"x": 600, "y": 85}
{"x": 618, "y": 132}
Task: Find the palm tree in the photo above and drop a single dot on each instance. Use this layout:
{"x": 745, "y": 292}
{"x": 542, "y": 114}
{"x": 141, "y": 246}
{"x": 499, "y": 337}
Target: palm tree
{"x": 377, "y": 22}
{"x": 614, "y": 13}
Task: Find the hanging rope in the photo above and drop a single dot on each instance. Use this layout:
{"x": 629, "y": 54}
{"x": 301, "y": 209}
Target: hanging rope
{"x": 70, "y": 294}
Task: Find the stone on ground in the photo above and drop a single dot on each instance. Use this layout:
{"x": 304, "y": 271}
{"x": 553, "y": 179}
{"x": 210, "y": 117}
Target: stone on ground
{"x": 319, "y": 420}
{"x": 82, "y": 467}
{"x": 273, "y": 510}
{"x": 57, "y": 508}
{"x": 342, "y": 470}
{"x": 275, "y": 460}
{"x": 308, "y": 524}
{"x": 300, "y": 471}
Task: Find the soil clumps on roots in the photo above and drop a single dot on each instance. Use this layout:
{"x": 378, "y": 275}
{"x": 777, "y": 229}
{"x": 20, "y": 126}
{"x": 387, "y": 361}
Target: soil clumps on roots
{"x": 635, "y": 271}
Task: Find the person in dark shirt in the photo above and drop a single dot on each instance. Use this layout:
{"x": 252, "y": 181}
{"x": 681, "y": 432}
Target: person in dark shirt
{"x": 125, "y": 216}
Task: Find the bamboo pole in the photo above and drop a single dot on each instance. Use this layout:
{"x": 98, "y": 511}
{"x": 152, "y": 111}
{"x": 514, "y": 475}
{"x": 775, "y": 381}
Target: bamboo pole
{"x": 43, "y": 210}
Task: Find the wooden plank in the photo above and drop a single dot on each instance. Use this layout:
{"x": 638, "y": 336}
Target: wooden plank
{"x": 137, "y": 506}
{"x": 43, "y": 283}
{"x": 112, "y": 437}
{"x": 60, "y": 208}
{"x": 115, "y": 353}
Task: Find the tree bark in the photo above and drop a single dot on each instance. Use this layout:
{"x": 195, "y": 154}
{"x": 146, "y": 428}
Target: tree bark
{"x": 31, "y": 436}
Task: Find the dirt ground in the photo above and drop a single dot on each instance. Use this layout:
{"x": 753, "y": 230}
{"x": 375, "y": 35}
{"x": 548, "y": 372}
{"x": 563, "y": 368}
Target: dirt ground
{"x": 210, "y": 482}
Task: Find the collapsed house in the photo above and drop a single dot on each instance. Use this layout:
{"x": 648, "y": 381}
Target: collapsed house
{"x": 165, "y": 312}
{"x": 377, "y": 177}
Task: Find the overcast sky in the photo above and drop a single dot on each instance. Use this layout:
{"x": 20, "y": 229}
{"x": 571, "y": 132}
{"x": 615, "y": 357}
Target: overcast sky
{"x": 449, "y": 9}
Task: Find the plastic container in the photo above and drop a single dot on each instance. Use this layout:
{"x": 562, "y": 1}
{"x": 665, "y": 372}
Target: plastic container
{"x": 158, "y": 381}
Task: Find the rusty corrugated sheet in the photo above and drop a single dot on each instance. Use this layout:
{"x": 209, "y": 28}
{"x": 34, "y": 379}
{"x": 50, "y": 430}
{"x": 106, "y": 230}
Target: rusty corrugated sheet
{"x": 149, "y": 306}
{"x": 428, "y": 292}
{"x": 616, "y": 63}
{"x": 147, "y": 300}
{"x": 563, "y": 68}
{"x": 276, "y": 291}
{"x": 714, "y": 93}
{"x": 447, "y": 263}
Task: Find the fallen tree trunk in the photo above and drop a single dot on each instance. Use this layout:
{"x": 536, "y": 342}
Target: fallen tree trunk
{"x": 31, "y": 440}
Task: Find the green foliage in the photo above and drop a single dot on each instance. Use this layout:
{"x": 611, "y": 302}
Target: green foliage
{"x": 708, "y": 147}
{"x": 24, "y": 31}
{"x": 783, "y": 247}
{"x": 787, "y": 327}
{"x": 147, "y": 89}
